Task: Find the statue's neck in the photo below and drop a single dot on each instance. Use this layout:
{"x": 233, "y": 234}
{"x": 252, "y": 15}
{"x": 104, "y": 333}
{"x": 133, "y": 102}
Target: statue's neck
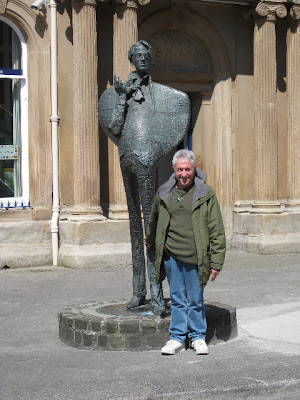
{"x": 142, "y": 75}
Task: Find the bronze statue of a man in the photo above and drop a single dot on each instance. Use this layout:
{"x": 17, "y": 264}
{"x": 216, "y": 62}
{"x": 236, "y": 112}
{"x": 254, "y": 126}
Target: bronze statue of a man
{"x": 146, "y": 120}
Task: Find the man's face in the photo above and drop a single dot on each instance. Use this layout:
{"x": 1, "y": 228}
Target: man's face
{"x": 141, "y": 58}
{"x": 184, "y": 173}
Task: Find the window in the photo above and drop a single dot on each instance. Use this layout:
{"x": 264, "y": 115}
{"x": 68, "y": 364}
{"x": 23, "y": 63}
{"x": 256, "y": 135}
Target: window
{"x": 14, "y": 178}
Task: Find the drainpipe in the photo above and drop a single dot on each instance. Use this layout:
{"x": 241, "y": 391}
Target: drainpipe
{"x": 54, "y": 132}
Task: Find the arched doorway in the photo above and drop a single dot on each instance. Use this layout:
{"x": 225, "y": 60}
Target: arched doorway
{"x": 181, "y": 56}
{"x": 189, "y": 55}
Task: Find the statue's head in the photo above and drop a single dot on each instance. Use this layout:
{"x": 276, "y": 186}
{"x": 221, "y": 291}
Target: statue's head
{"x": 140, "y": 55}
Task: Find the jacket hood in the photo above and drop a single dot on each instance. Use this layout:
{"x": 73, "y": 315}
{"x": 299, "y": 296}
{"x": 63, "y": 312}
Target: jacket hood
{"x": 201, "y": 189}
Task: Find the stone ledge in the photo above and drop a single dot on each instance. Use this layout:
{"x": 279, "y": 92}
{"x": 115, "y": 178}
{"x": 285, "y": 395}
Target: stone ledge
{"x": 84, "y": 233}
{"x": 110, "y": 326}
{"x": 25, "y": 233}
{"x": 94, "y": 256}
{"x": 26, "y": 255}
{"x": 286, "y": 223}
{"x": 267, "y": 244}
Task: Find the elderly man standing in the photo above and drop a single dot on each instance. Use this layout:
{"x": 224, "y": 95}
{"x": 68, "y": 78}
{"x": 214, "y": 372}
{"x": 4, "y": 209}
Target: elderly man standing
{"x": 187, "y": 230}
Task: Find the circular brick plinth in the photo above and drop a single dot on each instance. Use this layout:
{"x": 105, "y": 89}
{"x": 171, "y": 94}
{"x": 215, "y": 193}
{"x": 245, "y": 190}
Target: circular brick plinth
{"x": 110, "y": 326}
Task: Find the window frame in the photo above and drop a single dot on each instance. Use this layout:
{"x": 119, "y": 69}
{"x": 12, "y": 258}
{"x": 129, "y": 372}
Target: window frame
{"x": 23, "y": 201}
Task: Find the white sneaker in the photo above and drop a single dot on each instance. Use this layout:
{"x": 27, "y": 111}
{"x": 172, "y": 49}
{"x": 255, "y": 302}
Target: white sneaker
{"x": 200, "y": 346}
{"x": 172, "y": 347}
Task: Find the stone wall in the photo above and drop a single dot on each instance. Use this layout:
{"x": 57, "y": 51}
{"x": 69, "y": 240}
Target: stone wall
{"x": 245, "y": 118}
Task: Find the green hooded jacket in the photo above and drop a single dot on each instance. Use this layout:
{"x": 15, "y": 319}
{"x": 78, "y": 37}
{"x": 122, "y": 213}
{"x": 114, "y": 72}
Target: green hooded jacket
{"x": 207, "y": 224}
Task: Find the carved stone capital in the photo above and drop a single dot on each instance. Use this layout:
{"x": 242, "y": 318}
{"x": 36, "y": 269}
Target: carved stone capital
{"x": 81, "y": 3}
{"x": 295, "y": 12}
{"x": 129, "y": 2}
{"x": 3, "y": 4}
{"x": 124, "y": 4}
{"x": 269, "y": 10}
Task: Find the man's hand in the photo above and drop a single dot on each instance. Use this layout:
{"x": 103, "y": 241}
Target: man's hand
{"x": 214, "y": 273}
{"x": 148, "y": 246}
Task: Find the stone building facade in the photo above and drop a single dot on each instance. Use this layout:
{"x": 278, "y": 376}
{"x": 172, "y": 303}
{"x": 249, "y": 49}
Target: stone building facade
{"x": 239, "y": 61}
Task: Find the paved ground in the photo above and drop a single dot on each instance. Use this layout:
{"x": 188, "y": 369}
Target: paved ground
{"x": 263, "y": 362}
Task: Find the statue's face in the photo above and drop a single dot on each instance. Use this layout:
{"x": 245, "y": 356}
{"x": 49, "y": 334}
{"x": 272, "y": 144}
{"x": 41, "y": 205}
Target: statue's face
{"x": 141, "y": 59}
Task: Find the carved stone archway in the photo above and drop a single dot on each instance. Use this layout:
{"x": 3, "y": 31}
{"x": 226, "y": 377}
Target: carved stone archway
{"x": 195, "y": 25}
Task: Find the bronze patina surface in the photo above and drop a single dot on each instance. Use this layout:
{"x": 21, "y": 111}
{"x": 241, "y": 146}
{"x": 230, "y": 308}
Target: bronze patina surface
{"x": 146, "y": 121}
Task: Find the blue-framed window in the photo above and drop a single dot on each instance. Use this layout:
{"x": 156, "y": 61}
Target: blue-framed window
{"x": 14, "y": 174}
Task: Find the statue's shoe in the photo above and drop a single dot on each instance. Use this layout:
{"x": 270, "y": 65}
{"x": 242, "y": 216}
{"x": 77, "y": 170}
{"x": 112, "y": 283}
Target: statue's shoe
{"x": 159, "y": 311}
{"x": 136, "y": 302}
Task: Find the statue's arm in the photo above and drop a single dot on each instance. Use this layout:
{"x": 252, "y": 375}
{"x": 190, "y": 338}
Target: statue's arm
{"x": 124, "y": 91}
{"x": 152, "y": 223}
{"x": 119, "y": 111}
{"x": 118, "y": 117}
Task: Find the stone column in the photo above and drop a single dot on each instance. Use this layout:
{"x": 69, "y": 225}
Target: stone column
{"x": 125, "y": 35}
{"x": 222, "y": 147}
{"x": 266, "y": 137}
{"x": 85, "y": 99}
{"x": 293, "y": 92}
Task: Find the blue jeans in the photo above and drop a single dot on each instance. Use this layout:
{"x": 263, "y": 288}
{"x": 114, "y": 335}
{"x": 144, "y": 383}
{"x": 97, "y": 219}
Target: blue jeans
{"x": 187, "y": 306}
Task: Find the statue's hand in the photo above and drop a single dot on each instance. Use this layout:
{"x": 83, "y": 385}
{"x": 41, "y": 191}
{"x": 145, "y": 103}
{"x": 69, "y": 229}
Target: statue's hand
{"x": 126, "y": 88}
{"x": 134, "y": 86}
{"x": 119, "y": 86}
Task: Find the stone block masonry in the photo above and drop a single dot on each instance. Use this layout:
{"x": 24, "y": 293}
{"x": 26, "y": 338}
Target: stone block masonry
{"x": 111, "y": 327}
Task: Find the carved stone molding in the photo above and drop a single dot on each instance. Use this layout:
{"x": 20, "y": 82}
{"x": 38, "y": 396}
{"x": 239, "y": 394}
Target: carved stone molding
{"x": 180, "y": 15}
{"x": 269, "y": 10}
{"x": 3, "y": 4}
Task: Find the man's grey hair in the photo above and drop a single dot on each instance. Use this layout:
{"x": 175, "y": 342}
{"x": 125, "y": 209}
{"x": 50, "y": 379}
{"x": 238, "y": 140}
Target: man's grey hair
{"x": 185, "y": 155}
{"x": 134, "y": 46}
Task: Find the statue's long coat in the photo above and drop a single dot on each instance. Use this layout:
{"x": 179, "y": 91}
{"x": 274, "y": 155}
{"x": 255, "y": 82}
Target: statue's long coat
{"x": 152, "y": 132}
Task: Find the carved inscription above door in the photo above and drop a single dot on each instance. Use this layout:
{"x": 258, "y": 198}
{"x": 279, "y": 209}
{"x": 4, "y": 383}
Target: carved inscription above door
{"x": 177, "y": 51}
